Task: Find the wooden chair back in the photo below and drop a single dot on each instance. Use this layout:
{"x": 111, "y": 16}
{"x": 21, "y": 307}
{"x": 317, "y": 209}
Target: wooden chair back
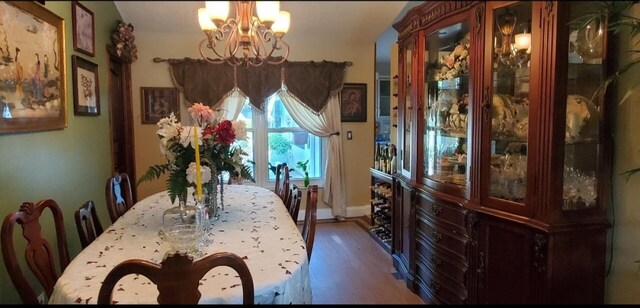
{"x": 294, "y": 202}
{"x": 309, "y": 225}
{"x": 88, "y": 223}
{"x": 119, "y": 196}
{"x": 279, "y": 177}
{"x": 38, "y": 253}
{"x": 286, "y": 186}
{"x": 178, "y": 277}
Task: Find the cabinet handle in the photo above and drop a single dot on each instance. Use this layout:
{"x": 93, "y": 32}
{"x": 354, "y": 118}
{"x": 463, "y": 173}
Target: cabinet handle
{"x": 435, "y": 261}
{"x": 434, "y": 286}
{"x": 435, "y": 209}
{"x": 436, "y": 236}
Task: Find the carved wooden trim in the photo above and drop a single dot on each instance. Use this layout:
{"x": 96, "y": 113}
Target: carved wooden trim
{"x": 540, "y": 252}
{"x": 548, "y": 7}
{"x": 435, "y": 13}
{"x": 481, "y": 269}
{"x": 472, "y": 219}
{"x": 479, "y": 13}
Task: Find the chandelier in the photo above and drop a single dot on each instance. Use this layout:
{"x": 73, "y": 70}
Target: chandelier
{"x": 258, "y": 38}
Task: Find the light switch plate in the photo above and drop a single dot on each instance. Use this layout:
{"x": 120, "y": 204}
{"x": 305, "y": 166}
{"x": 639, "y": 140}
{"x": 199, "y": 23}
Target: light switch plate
{"x": 349, "y": 135}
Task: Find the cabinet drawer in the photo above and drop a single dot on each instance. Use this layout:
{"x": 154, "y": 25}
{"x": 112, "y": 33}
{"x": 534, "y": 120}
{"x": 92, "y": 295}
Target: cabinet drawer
{"x": 451, "y": 268}
{"x": 434, "y": 287}
{"x": 450, "y": 216}
{"x": 442, "y": 239}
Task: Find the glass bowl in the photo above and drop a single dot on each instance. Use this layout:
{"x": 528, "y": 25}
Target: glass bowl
{"x": 183, "y": 237}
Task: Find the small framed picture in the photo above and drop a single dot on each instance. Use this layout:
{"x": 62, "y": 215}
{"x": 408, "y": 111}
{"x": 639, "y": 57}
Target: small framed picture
{"x": 83, "y": 29}
{"x": 86, "y": 94}
{"x": 353, "y": 107}
{"x": 158, "y": 103}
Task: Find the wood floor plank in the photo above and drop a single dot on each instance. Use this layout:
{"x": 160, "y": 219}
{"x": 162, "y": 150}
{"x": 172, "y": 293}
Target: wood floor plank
{"x": 349, "y": 267}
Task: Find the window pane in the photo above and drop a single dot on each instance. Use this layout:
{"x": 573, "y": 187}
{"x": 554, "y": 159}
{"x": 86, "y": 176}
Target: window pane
{"x": 246, "y": 114}
{"x": 278, "y": 115}
{"x": 294, "y": 147}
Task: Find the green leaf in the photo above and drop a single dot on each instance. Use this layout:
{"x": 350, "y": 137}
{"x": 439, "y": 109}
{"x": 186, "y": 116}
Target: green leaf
{"x": 154, "y": 172}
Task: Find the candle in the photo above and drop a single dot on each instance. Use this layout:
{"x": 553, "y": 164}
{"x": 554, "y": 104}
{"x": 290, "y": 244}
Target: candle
{"x": 198, "y": 172}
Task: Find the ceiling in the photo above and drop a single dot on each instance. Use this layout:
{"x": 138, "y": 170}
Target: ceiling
{"x": 358, "y": 22}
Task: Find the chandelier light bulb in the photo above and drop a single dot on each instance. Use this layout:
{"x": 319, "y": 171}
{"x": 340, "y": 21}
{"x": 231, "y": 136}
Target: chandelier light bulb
{"x": 281, "y": 26}
{"x": 268, "y": 11}
{"x": 218, "y": 10}
{"x": 205, "y": 22}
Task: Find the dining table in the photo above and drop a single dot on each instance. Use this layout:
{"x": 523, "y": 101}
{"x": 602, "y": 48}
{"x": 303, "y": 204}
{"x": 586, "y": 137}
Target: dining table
{"x": 254, "y": 224}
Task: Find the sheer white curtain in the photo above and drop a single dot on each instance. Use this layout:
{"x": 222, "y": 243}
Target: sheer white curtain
{"x": 231, "y": 106}
{"x": 324, "y": 125}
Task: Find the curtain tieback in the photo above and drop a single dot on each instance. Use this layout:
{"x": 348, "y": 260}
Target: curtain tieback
{"x": 336, "y": 134}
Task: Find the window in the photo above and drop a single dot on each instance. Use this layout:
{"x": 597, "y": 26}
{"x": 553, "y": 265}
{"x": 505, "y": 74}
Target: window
{"x": 274, "y": 138}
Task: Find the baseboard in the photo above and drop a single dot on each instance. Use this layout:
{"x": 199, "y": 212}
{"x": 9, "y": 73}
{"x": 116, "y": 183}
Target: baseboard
{"x": 352, "y": 211}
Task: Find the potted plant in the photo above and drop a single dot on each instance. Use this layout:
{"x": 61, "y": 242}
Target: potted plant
{"x": 303, "y": 167}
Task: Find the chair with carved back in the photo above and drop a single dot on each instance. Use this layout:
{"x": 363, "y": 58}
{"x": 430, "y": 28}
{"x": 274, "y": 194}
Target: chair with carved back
{"x": 279, "y": 173}
{"x": 88, "y": 223}
{"x": 295, "y": 197}
{"x": 177, "y": 277}
{"x": 119, "y": 196}
{"x": 286, "y": 187}
{"x": 309, "y": 225}
{"x": 39, "y": 253}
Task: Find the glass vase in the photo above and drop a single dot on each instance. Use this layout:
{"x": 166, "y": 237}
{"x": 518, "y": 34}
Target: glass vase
{"x": 179, "y": 225}
{"x": 211, "y": 200}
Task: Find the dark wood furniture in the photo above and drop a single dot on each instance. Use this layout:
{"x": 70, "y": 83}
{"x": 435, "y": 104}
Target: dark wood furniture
{"x": 310, "y": 212}
{"x": 178, "y": 277}
{"x": 279, "y": 180}
{"x": 295, "y": 199}
{"x": 505, "y": 153}
{"x": 381, "y": 208}
{"x": 39, "y": 253}
{"x": 118, "y": 194}
{"x": 88, "y": 223}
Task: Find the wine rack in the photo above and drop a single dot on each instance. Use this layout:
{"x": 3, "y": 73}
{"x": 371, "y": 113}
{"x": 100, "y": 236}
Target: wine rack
{"x": 381, "y": 209}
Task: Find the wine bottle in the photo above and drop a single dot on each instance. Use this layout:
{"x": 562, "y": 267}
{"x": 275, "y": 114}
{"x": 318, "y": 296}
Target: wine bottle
{"x": 376, "y": 159}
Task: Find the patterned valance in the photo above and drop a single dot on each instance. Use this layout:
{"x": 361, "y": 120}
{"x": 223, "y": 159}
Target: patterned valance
{"x": 312, "y": 83}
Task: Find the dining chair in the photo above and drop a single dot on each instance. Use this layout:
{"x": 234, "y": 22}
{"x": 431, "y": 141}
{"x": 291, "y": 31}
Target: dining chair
{"x": 295, "y": 197}
{"x": 119, "y": 196}
{"x": 88, "y": 223}
{"x": 309, "y": 225}
{"x": 38, "y": 252}
{"x": 178, "y": 277}
{"x": 278, "y": 187}
{"x": 286, "y": 186}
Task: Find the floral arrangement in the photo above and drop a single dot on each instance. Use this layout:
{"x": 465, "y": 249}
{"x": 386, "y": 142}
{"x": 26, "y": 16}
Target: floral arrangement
{"x": 217, "y": 154}
{"x": 456, "y": 63}
{"x": 123, "y": 41}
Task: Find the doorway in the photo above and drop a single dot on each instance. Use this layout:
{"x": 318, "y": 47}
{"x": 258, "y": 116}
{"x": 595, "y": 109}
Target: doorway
{"x": 121, "y": 119}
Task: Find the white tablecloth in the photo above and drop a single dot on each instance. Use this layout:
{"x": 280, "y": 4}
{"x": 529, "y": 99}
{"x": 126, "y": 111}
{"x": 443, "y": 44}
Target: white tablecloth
{"x": 254, "y": 225}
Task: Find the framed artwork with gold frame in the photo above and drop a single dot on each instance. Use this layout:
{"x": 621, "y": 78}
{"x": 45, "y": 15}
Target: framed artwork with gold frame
{"x": 32, "y": 97}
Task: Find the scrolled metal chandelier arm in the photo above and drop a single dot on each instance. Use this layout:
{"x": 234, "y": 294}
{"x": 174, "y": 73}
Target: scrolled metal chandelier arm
{"x": 257, "y": 40}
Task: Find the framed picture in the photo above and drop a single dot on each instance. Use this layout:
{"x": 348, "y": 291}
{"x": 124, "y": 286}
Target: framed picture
{"x": 353, "y": 106}
{"x": 32, "y": 77}
{"x": 158, "y": 103}
{"x": 83, "y": 29}
{"x": 86, "y": 94}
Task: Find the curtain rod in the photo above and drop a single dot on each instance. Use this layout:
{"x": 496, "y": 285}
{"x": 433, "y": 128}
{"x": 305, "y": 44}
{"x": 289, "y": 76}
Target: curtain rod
{"x": 158, "y": 60}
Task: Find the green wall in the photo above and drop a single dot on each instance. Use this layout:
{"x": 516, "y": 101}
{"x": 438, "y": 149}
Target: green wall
{"x": 69, "y": 166}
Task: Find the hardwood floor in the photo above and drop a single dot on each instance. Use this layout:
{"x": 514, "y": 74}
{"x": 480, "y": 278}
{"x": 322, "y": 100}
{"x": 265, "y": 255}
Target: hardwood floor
{"x": 349, "y": 267}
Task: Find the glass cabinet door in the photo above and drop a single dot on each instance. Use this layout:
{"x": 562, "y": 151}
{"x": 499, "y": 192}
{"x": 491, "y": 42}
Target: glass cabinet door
{"x": 446, "y": 112}
{"x": 582, "y": 159}
{"x": 407, "y": 93}
{"x": 509, "y": 103}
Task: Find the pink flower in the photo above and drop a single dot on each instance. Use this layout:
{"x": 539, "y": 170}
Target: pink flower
{"x": 200, "y": 113}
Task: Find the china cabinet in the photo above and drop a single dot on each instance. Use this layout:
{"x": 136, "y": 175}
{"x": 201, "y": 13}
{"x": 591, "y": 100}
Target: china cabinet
{"x": 504, "y": 153}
